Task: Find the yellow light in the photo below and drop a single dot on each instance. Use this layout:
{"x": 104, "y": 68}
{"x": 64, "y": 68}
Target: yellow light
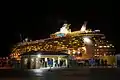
{"x": 108, "y": 46}
{"x": 100, "y": 46}
{"x": 105, "y": 46}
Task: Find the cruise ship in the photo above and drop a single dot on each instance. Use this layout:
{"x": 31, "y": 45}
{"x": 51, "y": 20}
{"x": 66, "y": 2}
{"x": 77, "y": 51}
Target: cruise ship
{"x": 82, "y": 44}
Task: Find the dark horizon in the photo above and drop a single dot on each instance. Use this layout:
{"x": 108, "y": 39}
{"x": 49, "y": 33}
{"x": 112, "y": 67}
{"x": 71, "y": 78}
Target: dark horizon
{"x": 36, "y": 22}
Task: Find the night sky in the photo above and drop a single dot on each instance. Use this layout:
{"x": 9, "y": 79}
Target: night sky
{"x": 37, "y": 21}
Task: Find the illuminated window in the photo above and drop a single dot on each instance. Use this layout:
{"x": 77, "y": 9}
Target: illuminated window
{"x": 60, "y": 35}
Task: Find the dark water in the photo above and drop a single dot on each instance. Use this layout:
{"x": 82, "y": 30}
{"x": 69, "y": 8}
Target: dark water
{"x": 61, "y": 74}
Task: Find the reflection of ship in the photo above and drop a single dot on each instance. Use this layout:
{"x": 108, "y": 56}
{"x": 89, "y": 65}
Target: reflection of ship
{"x": 81, "y": 44}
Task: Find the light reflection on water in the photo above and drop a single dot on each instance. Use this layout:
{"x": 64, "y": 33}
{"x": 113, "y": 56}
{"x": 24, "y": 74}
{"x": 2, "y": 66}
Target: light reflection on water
{"x": 66, "y": 74}
{"x": 33, "y": 74}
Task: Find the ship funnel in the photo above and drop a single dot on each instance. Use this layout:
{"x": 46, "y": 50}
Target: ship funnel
{"x": 83, "y": 29}
{"x": 65, "y": 28}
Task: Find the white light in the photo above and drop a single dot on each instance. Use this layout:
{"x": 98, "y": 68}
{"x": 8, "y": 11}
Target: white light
{"x": 68, "y": 51}
{"x": 87, "y": 40}
{"x": 97, "y": 30}
{"x": 26, "y": 39}
{"x": 32, "y": 59}
{"x": 108, "y": 46}
{"x": 45, "y": 59}
{"x": 105, "y": 46}
{"x": 78, "y": 52}
{"x": 39, "y": 55}
{"x": 95, "y": 44}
